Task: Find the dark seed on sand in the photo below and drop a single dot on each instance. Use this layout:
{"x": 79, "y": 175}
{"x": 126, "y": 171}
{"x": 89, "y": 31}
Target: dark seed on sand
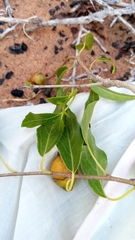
{"x": 47, "y": 92}
{"x": 56, "y": 49}
{"x": 52, "y": 12}
{"x": 36, "y": 90}
{"x": 1, "y": 30}
{"x": 24, "y": 47}
{"x": 16, "y": 49}
{"x": 17, "y": 93}
{"x": 8, "y": 75}
{"x": 1, "y": 81}
{"x": 42, "y": 100}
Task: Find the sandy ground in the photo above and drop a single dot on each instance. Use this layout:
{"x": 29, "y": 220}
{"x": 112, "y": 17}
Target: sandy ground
{"x": 49, "y": 47}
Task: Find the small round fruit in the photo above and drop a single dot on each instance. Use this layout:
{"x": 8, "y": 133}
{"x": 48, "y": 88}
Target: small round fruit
{"x": 59, "y": 166}
{"x": 38, "y": 78}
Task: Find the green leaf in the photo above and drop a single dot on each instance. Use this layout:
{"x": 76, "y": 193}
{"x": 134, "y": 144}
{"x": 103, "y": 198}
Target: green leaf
{"x": 79, "y": 46}
{"x": 29, "y": 84}
{"x": 58, "y": 100}
{"x": 89, "y": 167}
{"x": 60, "y": 72}
{"x": 97, "y": 154}
{"x": 93, "y": 160}
{"x": 89, "y": 41}
{"x": 62, "y": 100}
{"x": 62, "y": 92}
{"x": 32, "y": 120}
{"x": 48, "y": 136}
{"x": 92, "y": 98}
{"x": 103, "y": 59}
{"x": 112, "y": 95}
{"x": 70, "y": 144}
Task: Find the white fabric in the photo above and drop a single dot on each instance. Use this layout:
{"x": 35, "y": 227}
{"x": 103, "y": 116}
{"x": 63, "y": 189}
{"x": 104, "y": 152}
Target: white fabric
{"x": 35, "y": 208}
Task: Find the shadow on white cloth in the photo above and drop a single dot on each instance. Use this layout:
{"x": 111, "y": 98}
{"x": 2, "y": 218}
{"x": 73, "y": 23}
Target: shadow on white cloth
{"x": 35, "y": 208}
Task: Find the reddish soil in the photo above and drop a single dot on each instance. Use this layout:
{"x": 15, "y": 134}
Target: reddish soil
{"x": 50, "y": 46}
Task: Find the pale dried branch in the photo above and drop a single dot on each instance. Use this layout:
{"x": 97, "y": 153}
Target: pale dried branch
{"x": 8, "y": 8}
{"x": 68, "y": 175}
{"x": 9, "y": 29}
{"x": 98, "y": 82}
{"x": 98, "y": 16}
{"x": 128, "y": 25}
{"x": 72, "y": 77}
{"x": 61, "y": 86}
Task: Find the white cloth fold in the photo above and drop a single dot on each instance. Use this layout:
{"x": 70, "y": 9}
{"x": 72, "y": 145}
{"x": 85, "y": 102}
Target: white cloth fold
{"x": 35, "y": 208}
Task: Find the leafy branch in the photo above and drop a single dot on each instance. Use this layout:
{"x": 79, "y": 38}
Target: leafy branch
{"x": 75, "y": 142}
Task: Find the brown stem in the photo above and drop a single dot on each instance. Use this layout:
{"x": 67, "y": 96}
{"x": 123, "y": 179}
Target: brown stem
{"x": 77, "y": 176}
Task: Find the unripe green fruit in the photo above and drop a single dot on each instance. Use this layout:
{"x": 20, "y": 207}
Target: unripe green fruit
{"x": 38, "y": 78}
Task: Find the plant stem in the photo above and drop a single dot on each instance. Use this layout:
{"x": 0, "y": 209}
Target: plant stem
{"x": 77, "y": 176}
{"x": 99, "y": 82}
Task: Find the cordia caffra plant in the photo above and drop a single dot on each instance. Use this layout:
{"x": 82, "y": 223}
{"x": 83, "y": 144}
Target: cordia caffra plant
{"x": 75, "y": 143}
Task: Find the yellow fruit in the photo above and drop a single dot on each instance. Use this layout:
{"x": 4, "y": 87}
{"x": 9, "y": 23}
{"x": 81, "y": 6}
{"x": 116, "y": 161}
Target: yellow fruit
{"x": 59, "y": 166}
{"x": 38, "y": 78}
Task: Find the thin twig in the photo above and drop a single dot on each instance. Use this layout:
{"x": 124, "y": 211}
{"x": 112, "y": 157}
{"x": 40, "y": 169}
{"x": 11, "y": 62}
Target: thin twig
{"x": 62, "y": 86}
{"x": 72, "y": 77}
{"x": 128, "y": 25}
{"x": 106, "y": 83}
{"x": 68, "y": 175}
{"x": 8, "y": 8}
{"x": 9, "y": 29}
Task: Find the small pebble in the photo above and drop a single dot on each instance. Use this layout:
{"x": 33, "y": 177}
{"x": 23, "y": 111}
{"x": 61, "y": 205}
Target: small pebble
{"x": 56, "y": 49}
{"x": 72, "y": 46}
{"x": 24, "y": 47}
{"x": 16, "y": 49}
{"x": 1, "y": 81}
{"x": 92, "y": 53}
{"x": 1, "y": 30}
{"x": 61, "y": 34}
{"x": 61, "y": 48}
{"x": 62, "y": 4}
{"x": 117, "y": 44}
{"x": 17, "y": 93}
{"x": 42, "y": 100}
{"x": 54, "y": 28}
{"x": 36, "y": 90}
{"x": 129, "y": 38}
{"x": 121, "y": 28}
{"x": 52, "y": 12}
{"x": 47, "y": 92}
{"x": 119, "y": 56}
{"x": 60, "y": 41}
{"x": 74, "y": 30}
{"x": 2, "y": 23}
{"x": 57, "y": 8}
{"x": 8, "y": 75}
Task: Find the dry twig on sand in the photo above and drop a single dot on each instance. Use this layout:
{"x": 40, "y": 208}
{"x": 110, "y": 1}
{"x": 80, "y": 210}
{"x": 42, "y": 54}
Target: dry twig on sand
{"x": 99, "y": 16}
